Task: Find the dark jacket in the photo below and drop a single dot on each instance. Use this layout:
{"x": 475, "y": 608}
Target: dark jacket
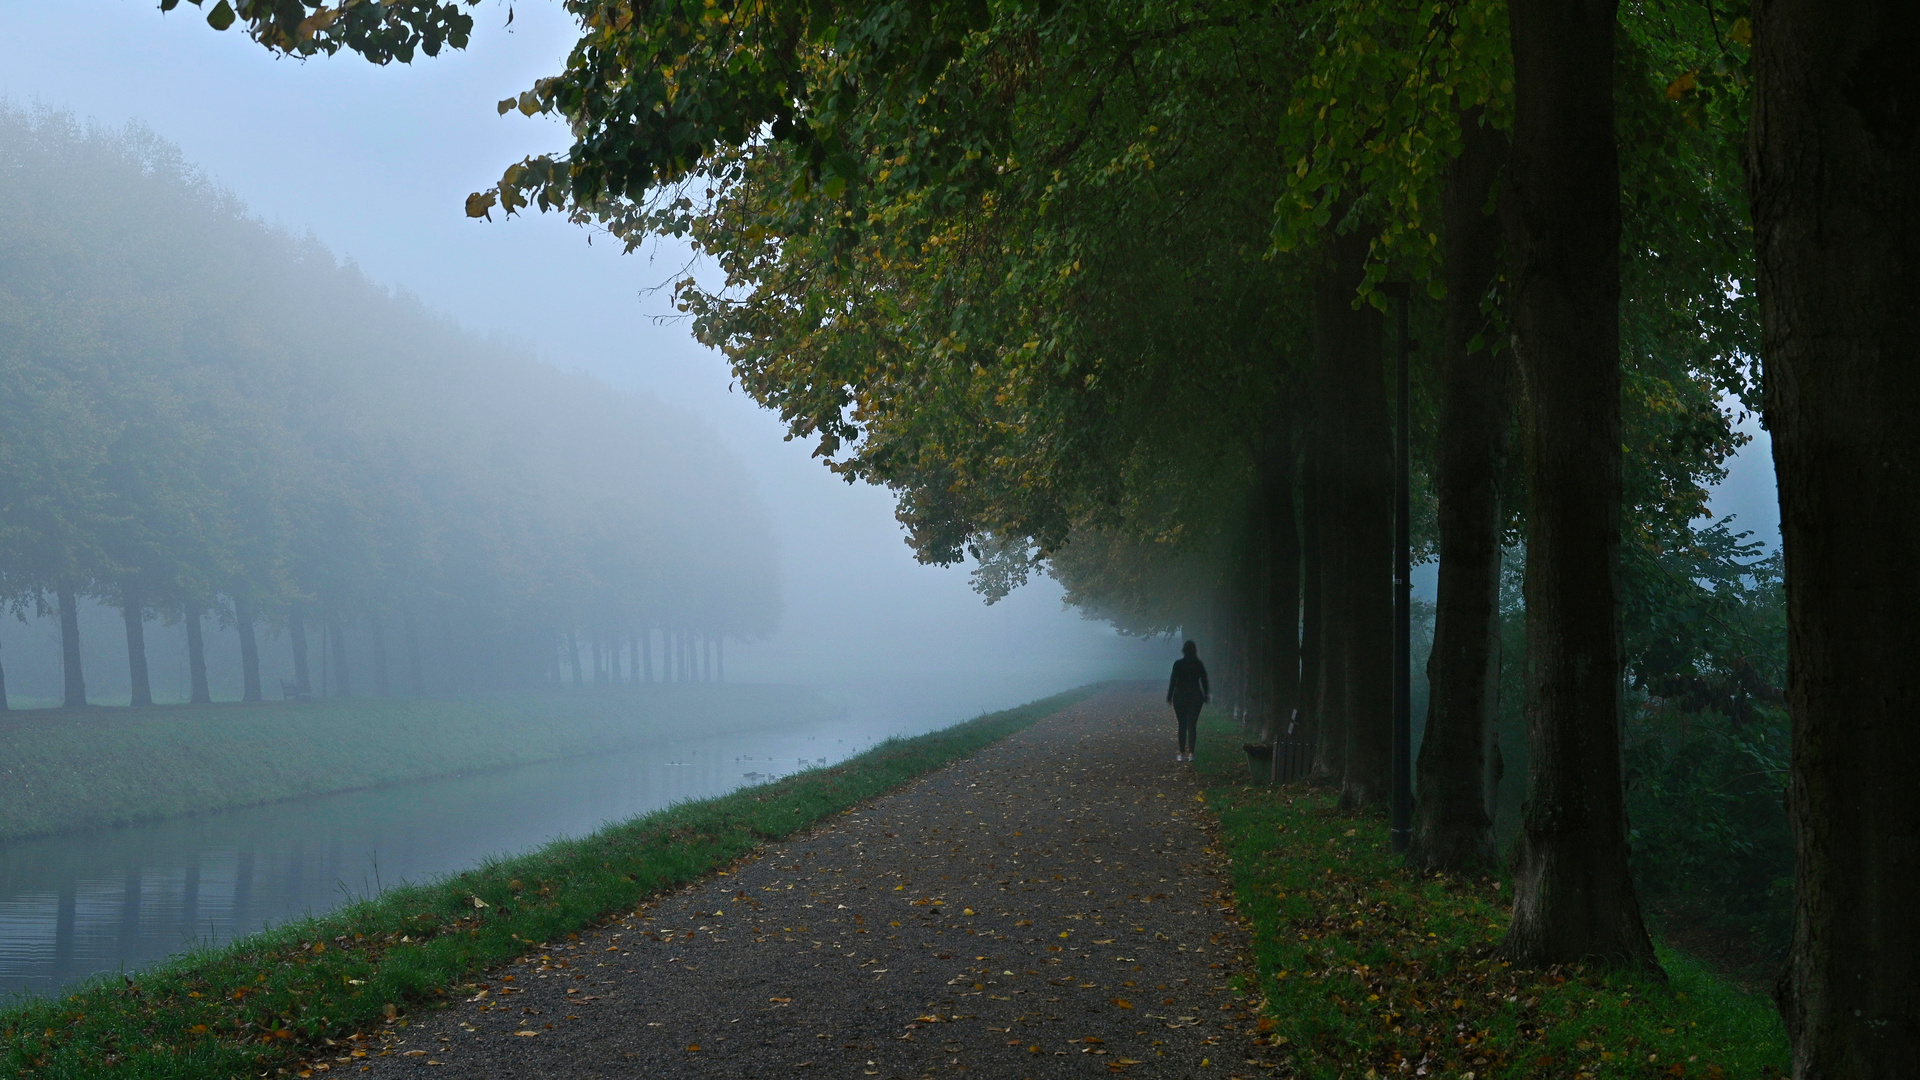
{"x": 1188, "y": 688}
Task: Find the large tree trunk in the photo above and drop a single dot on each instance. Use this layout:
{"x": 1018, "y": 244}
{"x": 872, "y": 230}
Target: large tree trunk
{"x": 297, "y": 637}
{"x": 1453, "y": 821}
{"x": 1833, "y": 170}
{"x": 342, "y": 679}
{"x": 1330, "y": 682}
{"x": 1283, "y": 588}
{"x": 75, "y": 681}
{"x": 249, "y": 651}
{"x": 416, "y": 672}
{"x": 196, "y": 659}
{"x": 4, "y": 707}
{"x": 1310, "y": 593}
{"x": 1360, "y": 497}
{"x": 133, "y": 613}
{"x": 573, "y": 658}
{"x": 1573, "y": 895}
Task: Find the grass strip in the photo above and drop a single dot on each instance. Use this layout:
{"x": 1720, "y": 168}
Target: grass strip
{"x": 271, "y": 1000}
{"x": 73, "y": 771}
{"x": 1367, "y": 970}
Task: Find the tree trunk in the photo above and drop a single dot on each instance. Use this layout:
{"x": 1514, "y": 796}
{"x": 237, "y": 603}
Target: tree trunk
{"x": 1330, "y": 681}
{"x": 75, "y": 681}
{"x": 297, "y": 637}
{"x": 377, "y": 627}
{"x": 1573, "y": 895}
{"x": 1311, "y": 609}
{"x": 196, "y": 659}
{"x": 249, "y": 651}
{"x": 416, "y": 672}
{"x": 1349, "y": 343}
{"x": 1453, "y": 821}
{"x": 342, "y": 681}
{"x": 573, "y": 658}
{"x": 133, "y": 613}
{"x": 1833, "y": 167}
{"x": 3, "y": 689}
{"x": 719, "y": 660}
{"x": 1283, "y": 590}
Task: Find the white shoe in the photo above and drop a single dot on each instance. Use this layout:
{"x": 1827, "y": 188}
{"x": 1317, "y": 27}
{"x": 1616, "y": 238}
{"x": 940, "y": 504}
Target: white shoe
{"x": 1179, "y": 757}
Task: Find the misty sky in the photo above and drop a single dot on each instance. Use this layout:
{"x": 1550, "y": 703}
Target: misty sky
{"x": 377, "y": 162}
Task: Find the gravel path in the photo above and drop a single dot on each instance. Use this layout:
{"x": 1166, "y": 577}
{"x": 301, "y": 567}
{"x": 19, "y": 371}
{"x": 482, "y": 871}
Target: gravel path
{"x": 1047, "y": 908}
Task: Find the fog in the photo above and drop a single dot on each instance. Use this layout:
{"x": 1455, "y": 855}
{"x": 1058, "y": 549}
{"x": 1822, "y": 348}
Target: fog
{"x": 376, "y": 163}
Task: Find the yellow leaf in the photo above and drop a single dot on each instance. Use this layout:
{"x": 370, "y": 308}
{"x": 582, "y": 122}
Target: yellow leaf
{"x": 1742, "y": 31}
{"x": 478, "y": 205}
{"x": 1678, "y": 87}
{"x": 1123, "y": 1003}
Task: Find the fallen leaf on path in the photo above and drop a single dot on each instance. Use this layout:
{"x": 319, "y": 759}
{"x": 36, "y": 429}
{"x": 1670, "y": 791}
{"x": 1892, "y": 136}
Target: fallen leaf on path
{"x": 526, "y": 1033}
{"x": 1123, "y": 1003}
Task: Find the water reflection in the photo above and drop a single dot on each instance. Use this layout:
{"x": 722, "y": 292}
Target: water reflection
{"x": 118, "y": 899}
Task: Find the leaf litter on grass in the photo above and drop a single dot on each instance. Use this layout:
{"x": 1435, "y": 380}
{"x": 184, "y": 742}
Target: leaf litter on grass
{"x": 1367, "y": 971}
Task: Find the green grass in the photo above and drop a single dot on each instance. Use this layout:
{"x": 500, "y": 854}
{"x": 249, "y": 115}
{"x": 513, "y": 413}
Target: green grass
{"x": 1363, "y": 967}
{"x": 72, "y": 771}
{"x": 270, "y": 1000}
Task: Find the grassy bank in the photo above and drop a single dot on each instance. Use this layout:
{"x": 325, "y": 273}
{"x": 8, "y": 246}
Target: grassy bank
{"x": 71, "y": 771}
{"x": 270, "y": 1000}
{"x": 1367, "y": 970}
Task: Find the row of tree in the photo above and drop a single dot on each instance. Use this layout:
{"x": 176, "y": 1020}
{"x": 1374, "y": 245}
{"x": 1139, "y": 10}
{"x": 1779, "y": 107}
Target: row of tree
{"x": 1078, "y": 276}
{"x": 202, "y": 417}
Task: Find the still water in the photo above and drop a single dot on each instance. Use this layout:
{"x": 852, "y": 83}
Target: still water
{"x": 118, "y": 899}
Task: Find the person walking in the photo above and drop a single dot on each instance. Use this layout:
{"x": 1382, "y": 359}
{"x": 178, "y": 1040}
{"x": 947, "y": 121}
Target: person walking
{"x": 1187, "y": 690}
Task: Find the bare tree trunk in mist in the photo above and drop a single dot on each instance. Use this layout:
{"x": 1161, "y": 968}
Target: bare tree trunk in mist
{"x": 377, "y": 624}
{"x": 1453, "y": 821}
{"x": 196, "y": 658}
{"x": 1330, "y": 685}
{"x": 76, "y": 683}
{"x": 1833, "y": 163}
{"x": 1348, "y": 349}
{"x": 1311, "y": 609}
{"x": 416, "y": 675}
{"x": 719, "y": 660}
{"x": 1573, "y": 894}
{"x": 573, "y": 659}
{"x": 1283, "y": 589}
{"x": 3, "y": 689}
{"x": 249, "y": 651}
{"x": 342, "y": 682}
{"x": 297, "y": 636}
{"x": 669, "y": 647}
{"x": 705, "y": 667}
{"x": 132, "y": 607}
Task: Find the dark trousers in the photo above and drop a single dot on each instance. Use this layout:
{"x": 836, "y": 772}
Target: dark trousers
{"x": 1189, "y": 717}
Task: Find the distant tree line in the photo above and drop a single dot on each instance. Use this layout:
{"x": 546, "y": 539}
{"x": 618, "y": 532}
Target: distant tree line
{"x": 206, "y": 419}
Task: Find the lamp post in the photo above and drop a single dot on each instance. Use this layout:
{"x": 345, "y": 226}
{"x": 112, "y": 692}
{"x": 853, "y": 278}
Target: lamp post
{"x": 1402, "y": 826}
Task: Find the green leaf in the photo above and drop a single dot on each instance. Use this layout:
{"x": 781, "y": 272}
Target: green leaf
{"x": 221, "y": 16}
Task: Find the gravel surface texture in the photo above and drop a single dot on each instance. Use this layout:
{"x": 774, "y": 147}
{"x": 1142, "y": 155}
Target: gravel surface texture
{"x": 1050, "y": 907}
